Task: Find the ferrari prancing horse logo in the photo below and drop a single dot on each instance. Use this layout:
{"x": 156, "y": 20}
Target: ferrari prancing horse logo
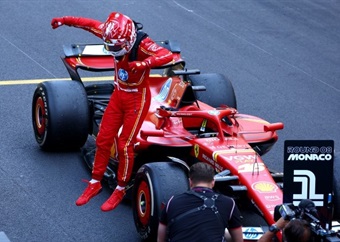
{"x": 197, "y": 150}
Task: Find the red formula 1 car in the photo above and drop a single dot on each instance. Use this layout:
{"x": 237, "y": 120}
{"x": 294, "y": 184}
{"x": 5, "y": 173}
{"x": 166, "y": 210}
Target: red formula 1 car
{"x": 192, "y": 117}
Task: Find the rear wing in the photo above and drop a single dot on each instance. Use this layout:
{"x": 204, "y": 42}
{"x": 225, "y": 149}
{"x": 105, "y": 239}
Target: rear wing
{"x": 93, "y": 57}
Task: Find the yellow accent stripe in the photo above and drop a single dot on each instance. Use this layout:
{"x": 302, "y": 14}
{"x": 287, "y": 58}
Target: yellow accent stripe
{"x": 255, "y": 120}
{"x": 132, "y": 133}
{"x": 234, "y": 151}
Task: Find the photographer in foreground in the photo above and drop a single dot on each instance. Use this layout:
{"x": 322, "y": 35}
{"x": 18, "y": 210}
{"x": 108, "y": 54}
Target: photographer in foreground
{"x": 200, "y": 214}
{"x": 299, "y": 223}
{"x": 296, "y": 230}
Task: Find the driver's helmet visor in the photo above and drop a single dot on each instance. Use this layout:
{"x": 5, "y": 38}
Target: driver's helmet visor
{"x": 115, "y": 45}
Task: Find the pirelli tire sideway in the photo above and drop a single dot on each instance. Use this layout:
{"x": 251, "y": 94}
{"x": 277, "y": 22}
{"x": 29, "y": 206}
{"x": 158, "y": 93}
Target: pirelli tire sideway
{"x": 336, "y": 186}
{"x": 219, "y": 89}
{"x": 154, "y": 184}
{"x": 60, "y": 115}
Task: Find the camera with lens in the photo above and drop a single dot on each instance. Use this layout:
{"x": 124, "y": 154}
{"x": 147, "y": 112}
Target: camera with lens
{"x": 307, "y": 211}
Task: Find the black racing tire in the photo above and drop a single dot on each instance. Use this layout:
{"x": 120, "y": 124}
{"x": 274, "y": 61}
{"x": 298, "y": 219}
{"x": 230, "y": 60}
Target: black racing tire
{"x": 336, "y": 186}
{"x": 219, "y": 90}
{"x": 154, "y": 184}
{"x": 60, "y": 115}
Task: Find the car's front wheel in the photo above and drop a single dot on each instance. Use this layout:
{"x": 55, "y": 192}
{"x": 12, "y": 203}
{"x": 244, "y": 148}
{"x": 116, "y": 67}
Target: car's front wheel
{"x": 154, "y": 184}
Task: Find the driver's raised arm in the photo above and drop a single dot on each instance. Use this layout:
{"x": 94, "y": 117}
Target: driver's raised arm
{"x": 91, "y": 25}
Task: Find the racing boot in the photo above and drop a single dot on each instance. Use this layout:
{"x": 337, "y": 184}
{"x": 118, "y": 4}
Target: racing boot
{"x": 113, "y": 201}
{"x": 92, "y": 190}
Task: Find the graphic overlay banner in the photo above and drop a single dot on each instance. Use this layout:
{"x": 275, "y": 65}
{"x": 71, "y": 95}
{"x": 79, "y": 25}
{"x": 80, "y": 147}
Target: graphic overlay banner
{"x": 308, "y": 173}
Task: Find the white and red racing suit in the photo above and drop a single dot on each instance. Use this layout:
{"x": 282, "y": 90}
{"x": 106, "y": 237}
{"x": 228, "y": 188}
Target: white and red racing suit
{"x": 128, "y": 104}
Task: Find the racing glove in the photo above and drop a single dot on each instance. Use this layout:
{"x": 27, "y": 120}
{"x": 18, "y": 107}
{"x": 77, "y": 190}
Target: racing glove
{"x": 56, "y": 22}
{"x": 71, "y": 21}
{"x": 138, "y": 66}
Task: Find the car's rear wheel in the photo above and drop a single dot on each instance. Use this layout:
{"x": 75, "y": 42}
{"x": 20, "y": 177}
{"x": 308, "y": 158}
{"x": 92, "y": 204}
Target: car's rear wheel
{"x": 60, "y": 115}
{"x": 219, "y": 90}
{"x": 336, "y": 186}
{"x": 154, "y": 184}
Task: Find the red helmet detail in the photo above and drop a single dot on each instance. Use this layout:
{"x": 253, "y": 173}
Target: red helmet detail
{"x": 119, "y": 34}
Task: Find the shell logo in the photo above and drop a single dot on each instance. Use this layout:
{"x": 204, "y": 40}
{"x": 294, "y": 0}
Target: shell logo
{"x": 264, "y": 187}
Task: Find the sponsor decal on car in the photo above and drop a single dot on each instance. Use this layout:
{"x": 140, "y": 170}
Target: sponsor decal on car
{"x": 212, "y": 162}
{"x": 264, "y": 187}
{"x": 241, "y": 158}
{"x": 272, "y": 198}
{"x": 231, "y": 151}
{"x": 252, "y": 233}
{"x": 255, "y": 167}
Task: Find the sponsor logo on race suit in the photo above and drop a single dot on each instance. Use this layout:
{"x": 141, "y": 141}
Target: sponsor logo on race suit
{"x": 123, "y": 75}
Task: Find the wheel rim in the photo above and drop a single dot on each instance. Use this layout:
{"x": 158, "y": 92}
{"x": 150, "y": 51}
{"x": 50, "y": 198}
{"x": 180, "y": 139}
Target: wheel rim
{"x": 144, "y": 206}
{"x": 40, "y": 115}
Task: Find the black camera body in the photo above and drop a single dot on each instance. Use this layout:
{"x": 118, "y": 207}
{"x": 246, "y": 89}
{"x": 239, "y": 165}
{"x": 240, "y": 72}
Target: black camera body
{"x": 288, "y": 211}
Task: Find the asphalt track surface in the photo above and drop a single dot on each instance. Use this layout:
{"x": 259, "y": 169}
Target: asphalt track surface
{"x": 282, "y": 56}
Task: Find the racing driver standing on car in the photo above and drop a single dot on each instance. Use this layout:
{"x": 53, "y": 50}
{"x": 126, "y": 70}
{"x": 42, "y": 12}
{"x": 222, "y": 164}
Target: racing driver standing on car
{"x": 129, "y": 102}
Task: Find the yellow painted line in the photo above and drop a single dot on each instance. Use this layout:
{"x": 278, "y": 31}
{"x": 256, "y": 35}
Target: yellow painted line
{"x": 36, "y": 81}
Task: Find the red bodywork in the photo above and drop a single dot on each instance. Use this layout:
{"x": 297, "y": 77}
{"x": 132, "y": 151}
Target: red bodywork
{"x": 231, "y": 151}
{"x": 231, "y": 146}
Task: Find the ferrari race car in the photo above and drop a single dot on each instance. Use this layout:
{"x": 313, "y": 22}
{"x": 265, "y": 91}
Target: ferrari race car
{"x": 192, "y": 117}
